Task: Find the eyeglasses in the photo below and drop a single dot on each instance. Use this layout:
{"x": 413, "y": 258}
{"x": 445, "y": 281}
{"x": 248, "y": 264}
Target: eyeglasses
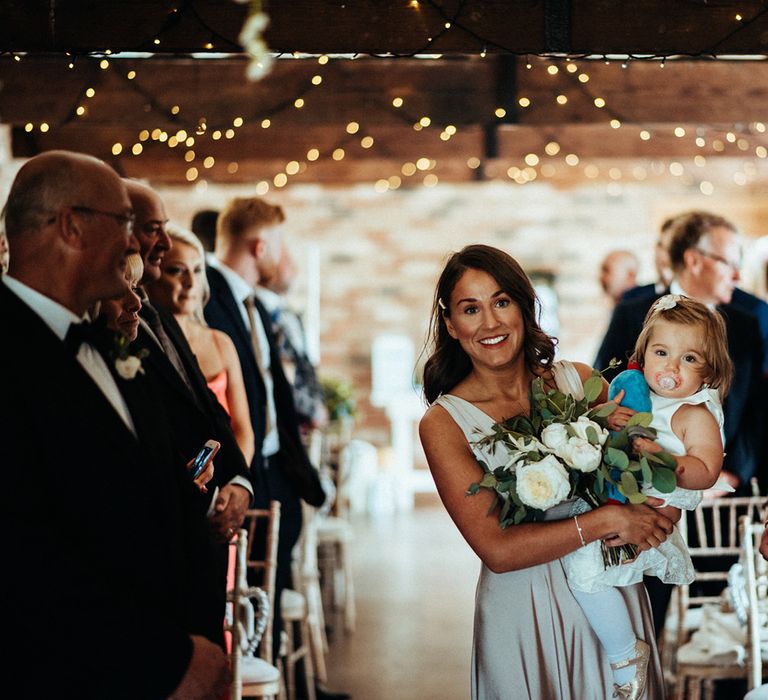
{"x": 735, "y": 266}
{"x": 124, "y": 220}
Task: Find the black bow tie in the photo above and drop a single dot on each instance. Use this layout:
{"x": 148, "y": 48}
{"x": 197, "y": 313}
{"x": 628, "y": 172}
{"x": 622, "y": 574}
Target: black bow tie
{"x": 79, "y": 333}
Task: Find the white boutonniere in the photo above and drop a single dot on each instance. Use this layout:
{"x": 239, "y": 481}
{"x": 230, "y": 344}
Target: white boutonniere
{"x": 127, "y": 364}
{"x": 667, "y": 302}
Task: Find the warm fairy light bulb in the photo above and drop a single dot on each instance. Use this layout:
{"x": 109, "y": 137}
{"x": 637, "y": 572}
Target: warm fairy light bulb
{"x": 322, "y": 60}
{"x": 679, "y": 132}
{"x": 700, "y": 142}
{"x": 483, "y": 53}
{"x": 117, "y": 149}
{"x": 216, "y": 135}
{"x": 266, "y": 123}
{"x": 208, "y": 45}
{"x": 397, "y": 102}
{"x": 531, "y": 159}
{"x": 181, "y": 135}
{"x": 583, "y": 78}
{"x": 104, "y": 64}
{"x": 450, "y": 129}
{"x": 131, "y": 74}
{"x": 447, "y": 25}
{"x": 189, "y": 156}
{"x": 599, "y": 102}
{"x": 552, "y": 148}
{"x": 175, "y": 109}
{"x": 761, "y": 152}
{"x": 676, "y": 169}
{"x": 155, "y": 134}
{"x": 422, "y": 163}
{"x": 338, "y": 154}
{"x": 394, "y": 182}
{"x": 561, "y": 99}
{"x": 614, "y": 173}
{"x": 500, "y": 112}
{"x": 572, "y": 159}
{"x": 317, "y": 79}
{"x": 425, "y": 121}
{"x": 298, "y": 103}
{"x": 292, "y": 167}
{"x": 237, "y": 122}
{"x": 209, "y": 162}
{"x": 759, "y": 126}
{"x": 313, "y": 154}
{"x": 738, "y": 18}
{"x": 191, "y": 174}
{"x": 591, "y": 171}
{"x": 143, "y": 135}
{"x": 157, "y": 43}
{"x": 742, "y": 144}
{"x": 381, "y": 186}
{"x": 552, "y": 70}
{"x": 90, "y": 92}
{"x": 366, "y": 141}
{"x": 699, "y": 161}
{"x": 706, "y": 187}
{"x": 615, "y": 123}
{"x": 473, "y": 162}
{"x": 262, "y": 188}
{"x": 571, "y": 68}
{"x": 408, "y": 169}
{"x": 229, "y": 134}
{"x": 444, "y": 136}
{"x": 730, "y": 137}
{"x": 80, "y": 111}
{"x": 136, "y": 149}
{"x": 524, "y": 102}
{"x": 232, "y": 167}
{"x": 173, "y": 142}
{"x": 280, "y": 180}
{"x": 430, "y": 180}
{"x": 44, "y": 127}
{"x": 718, "y": 145}
{"x": 353, "y": 128}
{"x": 645, "y": 136}
{"x": 28, "y": 127}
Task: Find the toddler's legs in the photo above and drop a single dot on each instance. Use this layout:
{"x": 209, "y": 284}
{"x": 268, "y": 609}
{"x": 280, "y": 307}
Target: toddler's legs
{"x": 608, "y": 615}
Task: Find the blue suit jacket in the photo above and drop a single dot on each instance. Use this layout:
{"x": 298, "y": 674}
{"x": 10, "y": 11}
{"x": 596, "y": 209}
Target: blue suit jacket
{"x": 744, "y": 407}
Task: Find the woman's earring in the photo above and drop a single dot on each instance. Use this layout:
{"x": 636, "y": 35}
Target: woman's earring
{"x": 440, "y": 303}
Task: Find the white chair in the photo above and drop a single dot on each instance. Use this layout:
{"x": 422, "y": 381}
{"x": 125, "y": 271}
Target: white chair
{"x": 723, "y": 648}
{"x": 255, "y": 676}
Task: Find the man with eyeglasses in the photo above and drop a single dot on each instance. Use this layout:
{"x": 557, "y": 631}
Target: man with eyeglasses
{"x": 91, "y": 518}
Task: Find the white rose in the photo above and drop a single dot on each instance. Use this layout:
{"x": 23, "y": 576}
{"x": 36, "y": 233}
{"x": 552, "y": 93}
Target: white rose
{"x": 581, "y": 455}
{"x": 129, "y": 367}
{"x": 554, "y": 436}
{"x": 580, "y": 428}
{"x": 543, "y": 484}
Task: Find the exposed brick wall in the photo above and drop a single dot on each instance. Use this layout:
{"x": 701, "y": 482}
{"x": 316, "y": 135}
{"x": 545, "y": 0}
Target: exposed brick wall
{"x": 381, "y": 253}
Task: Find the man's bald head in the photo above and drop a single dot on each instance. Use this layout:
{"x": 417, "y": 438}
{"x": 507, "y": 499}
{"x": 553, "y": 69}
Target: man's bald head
{"x": 68, "y": 220}
{"x": 618, "y": 273}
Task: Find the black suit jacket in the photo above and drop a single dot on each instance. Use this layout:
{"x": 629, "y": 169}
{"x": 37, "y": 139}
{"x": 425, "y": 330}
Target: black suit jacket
{"x": 744, "y": 407}
{"x": 223, "y": 313}
{"x": 94, "y": 532}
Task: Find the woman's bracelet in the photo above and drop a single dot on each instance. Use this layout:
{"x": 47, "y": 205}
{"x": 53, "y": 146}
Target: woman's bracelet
{"x": 578, "y": 528}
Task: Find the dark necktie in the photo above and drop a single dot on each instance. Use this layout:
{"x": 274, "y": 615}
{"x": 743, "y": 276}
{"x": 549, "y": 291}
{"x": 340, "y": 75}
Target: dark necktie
{"x": 153, "y": 319}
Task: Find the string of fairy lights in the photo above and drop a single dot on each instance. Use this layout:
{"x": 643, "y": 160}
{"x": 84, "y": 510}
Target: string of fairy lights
{"x": 174, "y": 129}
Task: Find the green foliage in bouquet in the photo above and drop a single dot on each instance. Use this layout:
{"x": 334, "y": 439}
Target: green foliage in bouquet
{"x": 563, "y": 449}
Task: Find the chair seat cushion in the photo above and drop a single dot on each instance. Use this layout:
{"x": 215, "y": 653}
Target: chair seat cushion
{"x": 293, "y": 605}
{"x": 256, "y": 670}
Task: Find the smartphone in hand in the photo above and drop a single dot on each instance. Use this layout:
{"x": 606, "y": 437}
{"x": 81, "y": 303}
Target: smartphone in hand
{"x": 204, "y": 457}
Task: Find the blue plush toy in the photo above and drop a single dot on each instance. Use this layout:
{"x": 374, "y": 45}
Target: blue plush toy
{"x": 637, "y": 396}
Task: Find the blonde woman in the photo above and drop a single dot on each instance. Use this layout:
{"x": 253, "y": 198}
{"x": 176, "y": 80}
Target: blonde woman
{"x": 183, "y": 291}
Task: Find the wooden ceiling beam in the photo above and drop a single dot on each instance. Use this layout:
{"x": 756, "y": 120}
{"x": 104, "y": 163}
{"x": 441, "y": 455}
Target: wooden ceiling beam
{"x": 401, "y": 27}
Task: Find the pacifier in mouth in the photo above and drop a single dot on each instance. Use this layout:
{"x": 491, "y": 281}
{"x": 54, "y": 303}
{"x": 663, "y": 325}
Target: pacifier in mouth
{"x": 667, "y": 380}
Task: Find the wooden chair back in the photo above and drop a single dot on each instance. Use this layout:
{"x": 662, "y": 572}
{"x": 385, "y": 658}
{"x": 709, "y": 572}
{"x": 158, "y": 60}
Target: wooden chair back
{"x": 262, "y": 557}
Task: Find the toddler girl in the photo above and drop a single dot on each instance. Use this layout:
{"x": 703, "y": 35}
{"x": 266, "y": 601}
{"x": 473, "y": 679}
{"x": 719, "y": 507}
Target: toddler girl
{"x": 683, "y": 353}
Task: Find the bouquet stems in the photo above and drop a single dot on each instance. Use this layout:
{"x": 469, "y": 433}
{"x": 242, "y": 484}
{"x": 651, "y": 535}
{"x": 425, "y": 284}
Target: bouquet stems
{"x": 615, "y": 556}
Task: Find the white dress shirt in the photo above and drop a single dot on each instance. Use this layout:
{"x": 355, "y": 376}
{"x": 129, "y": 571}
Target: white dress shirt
{"x": 58, "y": 318}
{"x": 241, "y": 290}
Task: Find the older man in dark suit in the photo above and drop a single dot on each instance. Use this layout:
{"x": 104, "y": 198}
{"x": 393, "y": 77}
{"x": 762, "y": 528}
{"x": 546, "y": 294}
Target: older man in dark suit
{"x": 93, "y": 521}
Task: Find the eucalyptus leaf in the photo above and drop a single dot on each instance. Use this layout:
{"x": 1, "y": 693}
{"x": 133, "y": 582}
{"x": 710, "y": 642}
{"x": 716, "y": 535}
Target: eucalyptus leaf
{"x": 643, "y": 418}
{"x": 605, "y": 410}
{"x": 637, "y": 498}
{"x": 592, "y": 388}
{"x": 628, "y": 484}
{"x": 592, "y": 435}
{"x": 616, "y": 458}
{"x": 646, "y": 469}
{"x": 473, "y": 489}
{"x": 664, "y": 480}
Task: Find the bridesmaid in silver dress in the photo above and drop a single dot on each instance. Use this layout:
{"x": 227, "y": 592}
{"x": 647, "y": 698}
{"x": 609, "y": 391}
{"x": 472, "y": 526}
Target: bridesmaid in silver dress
{"x": 531, "y": 639}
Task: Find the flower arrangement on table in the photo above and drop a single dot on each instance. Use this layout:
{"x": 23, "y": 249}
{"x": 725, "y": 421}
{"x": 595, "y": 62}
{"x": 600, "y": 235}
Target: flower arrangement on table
{"x": 562, "y": 450}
